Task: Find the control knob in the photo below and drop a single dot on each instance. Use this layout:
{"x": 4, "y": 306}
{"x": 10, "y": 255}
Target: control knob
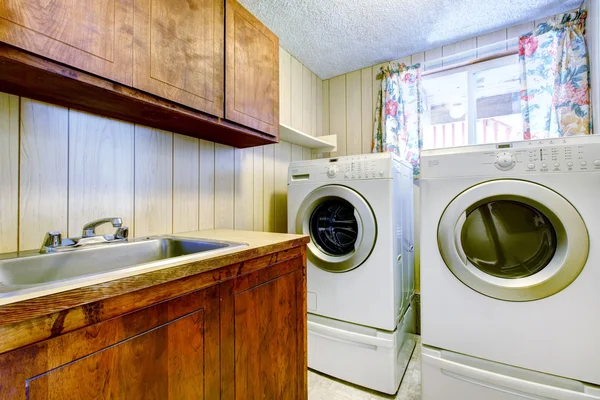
{"x": 332, "y": 171}
{"x": 505, "y": 161}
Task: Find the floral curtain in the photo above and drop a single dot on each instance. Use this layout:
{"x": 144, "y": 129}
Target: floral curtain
{"x": 398, "y": 113}
{"x": 555, "y": 96}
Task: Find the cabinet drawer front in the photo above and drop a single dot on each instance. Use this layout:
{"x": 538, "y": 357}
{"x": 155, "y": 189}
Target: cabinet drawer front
{"x": 168, "y": 350}
{"x": 164, "y": 363}
{"x": 252, "y": 71}
{"x": 94, "y": 36}
{"x": 178, "y": 51}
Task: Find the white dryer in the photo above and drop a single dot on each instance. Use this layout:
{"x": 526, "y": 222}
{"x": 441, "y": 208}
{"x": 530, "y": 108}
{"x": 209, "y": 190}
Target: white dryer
{"x": 358, "y": 211}
{"x": 510, "y": 270}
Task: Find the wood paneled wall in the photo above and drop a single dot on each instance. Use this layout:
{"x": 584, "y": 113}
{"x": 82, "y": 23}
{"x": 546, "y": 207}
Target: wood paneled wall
{"x": 349, "y": 100}
{"x": 60, "y": 168}
{"x": 300, "y": 97}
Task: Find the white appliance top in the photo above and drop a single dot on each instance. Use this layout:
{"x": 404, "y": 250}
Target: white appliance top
{"x": 574, "y": 154}
{"x": 347, "y": 168}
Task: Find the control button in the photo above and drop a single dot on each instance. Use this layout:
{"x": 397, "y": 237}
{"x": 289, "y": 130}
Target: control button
{"x": 583, "y": 163}
{"x": 381, "y": 173}
{"x": 346, "y": 175}
{"x": 544, "y": 165}
{"x": 332, "y": 171}
{"x": 597, "y": 163}
{"x": 556, "y": 165}
{"x": 354, "y": 175}
{"x": 531, "y": 166}
{"x": 569, "y": 164}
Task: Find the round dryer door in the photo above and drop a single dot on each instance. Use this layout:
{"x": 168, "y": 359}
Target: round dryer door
{"x": 341, "y": 226}
{"x": 513, "y": 240}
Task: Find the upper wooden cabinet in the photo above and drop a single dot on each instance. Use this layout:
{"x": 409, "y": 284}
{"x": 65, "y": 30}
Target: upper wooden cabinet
{"x": 202, "y": 68}
{"x": 178, "y": 51}
{"x": 95, "y": 36}
{"x": 252, "y": 71}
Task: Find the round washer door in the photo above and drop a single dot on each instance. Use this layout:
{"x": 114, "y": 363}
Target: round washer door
{"x": 341, "y": 226}
{"x": 513, "y": 240}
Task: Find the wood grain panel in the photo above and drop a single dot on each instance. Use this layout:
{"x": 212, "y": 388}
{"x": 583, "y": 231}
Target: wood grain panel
{"x": 319, "y": 100}
{"x": 9, "y": 173}
{"x": 307, "y": 101}
{"x": 326, "y": 111}
{"x": 297, "y": 94}
{"x": 376, "y": 82}
{"x": 153, "y": 181}
{"x": 259, "y": 206}
{"x": 353, "y": 113}
{"x": 100, "y": 171}
{"x": 417, "y": 58}
{"x": 519, "y": 30}
{"x": 462, "y": 51}
{"x": 43, "y": 172}
{"x": 186, "y": 190}
{"x": 285, "y": 87}
{"x": 431, "y": 55}
{"x": 224, "y": 186}
{"x": 95, "y": 36}
{"x": 269, "y": 187}
{"x": 296, "y": 152}
{"x": 244, "y": 189}
{"x": 367, "y": 109}
{"x": 337, "y": 110}
{"x": 206, "y": 214}
{"x": 306, "y": 153}
{"x": 267, "y": 355}
{"x": 178, "y": 52}
{"x": 283, "y": 156}
{"x": 252, "y": 71}
{"x": 313, "y": 109}
{"x": 490, "y": 41}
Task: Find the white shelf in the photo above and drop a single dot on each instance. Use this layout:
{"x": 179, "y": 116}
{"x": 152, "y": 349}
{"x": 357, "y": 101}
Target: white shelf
{"x": 321, "y": 144}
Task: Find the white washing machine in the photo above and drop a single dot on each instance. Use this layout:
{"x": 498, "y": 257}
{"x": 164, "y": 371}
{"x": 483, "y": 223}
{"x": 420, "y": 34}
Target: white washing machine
{"x": 358, "y": 211}
{"x": 510, "y": 270}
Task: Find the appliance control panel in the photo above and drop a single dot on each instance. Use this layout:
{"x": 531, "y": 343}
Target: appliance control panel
{"x": 347, "y": 168}
{"x": 558, "y": 155}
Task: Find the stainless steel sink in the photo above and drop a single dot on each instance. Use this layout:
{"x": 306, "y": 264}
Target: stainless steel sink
{"x": 101, "y": 263}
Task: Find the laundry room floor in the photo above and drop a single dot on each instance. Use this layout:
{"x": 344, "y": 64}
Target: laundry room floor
{"x": 324, "y": 387}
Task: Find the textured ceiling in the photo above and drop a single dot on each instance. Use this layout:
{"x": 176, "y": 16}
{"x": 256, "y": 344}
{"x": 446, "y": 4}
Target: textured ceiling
{"x": 332, "y": 37}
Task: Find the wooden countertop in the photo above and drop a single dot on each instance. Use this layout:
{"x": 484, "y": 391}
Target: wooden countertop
{"x": 262, "y": 246}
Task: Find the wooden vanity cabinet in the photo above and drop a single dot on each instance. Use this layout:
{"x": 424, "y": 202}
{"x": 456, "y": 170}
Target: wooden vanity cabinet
{"x": 166, "y": 351}
{"x": 244, "y": 337}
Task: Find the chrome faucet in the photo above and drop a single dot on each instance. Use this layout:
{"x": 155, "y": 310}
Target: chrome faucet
{"x": 53, "y": 240}
{"x": 89, "y": 229}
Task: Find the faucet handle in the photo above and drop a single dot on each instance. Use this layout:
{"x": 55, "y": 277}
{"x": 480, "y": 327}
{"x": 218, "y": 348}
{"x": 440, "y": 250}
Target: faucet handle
{"x": 51, "y": 241}
{"x": 122, "y": 233}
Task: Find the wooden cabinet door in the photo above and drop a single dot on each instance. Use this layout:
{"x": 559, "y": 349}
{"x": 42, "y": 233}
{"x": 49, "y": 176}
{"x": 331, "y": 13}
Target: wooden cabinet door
{"x": 166, "y": 351}
{"x": 268, "y": 327}
{"x": 252, "y": 71}
{"x": 178, "y": 51}
{"x": 95, "y": 36}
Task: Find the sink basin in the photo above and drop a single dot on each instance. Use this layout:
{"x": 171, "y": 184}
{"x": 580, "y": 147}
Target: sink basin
{"x": 101, "y": 263}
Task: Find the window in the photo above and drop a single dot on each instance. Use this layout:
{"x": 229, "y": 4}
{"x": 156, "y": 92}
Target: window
{"x": 476, "y": 104}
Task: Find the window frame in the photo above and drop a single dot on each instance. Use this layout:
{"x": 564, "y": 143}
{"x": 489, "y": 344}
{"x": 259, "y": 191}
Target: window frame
{"x": 471, "y": 70}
